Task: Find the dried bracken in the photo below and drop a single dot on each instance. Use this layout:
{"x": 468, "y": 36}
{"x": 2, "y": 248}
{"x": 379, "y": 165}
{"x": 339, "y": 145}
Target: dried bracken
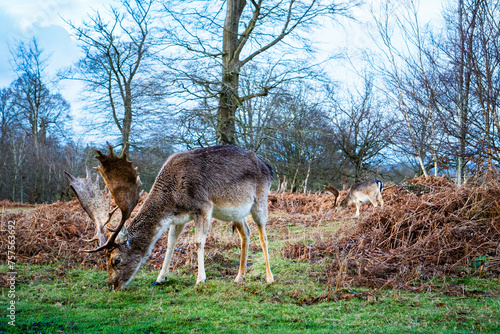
{"x": 317, "y": 203}
{"x": 427, "y": 227}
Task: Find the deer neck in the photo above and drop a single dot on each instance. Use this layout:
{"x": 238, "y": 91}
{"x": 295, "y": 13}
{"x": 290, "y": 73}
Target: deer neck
{"x": 148, "y": 226}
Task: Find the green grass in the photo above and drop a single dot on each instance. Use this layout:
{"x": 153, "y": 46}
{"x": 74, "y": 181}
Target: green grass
{"x": 58, "y": 299}
{"x": 62, "y": 298}
{"x": 4, "y": 210}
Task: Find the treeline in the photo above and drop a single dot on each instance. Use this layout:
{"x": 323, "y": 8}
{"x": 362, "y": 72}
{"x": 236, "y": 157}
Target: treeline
{"x": 164, "y": 77}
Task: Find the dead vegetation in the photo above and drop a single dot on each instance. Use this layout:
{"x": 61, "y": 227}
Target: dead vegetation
{"x": 427, "y": 227}
{"x": 318, "y": 203}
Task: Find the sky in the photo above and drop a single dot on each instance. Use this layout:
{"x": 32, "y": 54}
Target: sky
{"x": 20, "y": 20}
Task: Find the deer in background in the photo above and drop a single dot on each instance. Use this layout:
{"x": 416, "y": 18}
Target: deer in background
{"x": 329, "y": 189}
{"x": 370, "y": 190}
{"x": 224, "y": 182}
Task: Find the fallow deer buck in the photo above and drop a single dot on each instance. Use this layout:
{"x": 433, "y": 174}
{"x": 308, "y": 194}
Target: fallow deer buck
{"x": 224, "y": 182}
{"x": 370, "y": 190}
{"x": 329, "y": 189}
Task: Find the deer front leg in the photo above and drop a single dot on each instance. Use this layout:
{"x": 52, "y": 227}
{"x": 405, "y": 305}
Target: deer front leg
{"x": 202, "y": 224}
{"x": 373, "y": 200}
{"x": 357, "y": 208}
{"x": 173, "y": 234}
{"x": 379, "y": 197}
{"x": 244, "y": 231}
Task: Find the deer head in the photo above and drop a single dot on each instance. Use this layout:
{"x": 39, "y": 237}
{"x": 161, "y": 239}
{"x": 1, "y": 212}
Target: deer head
{"x": 124, "y": 184}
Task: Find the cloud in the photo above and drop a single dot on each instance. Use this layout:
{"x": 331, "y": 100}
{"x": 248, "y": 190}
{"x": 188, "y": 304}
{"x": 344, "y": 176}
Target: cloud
{"x": 21, "y": 20}
{"x": 30, "y": 15}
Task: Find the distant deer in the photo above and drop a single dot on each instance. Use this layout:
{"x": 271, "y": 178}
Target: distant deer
{"x": 224, "y": 182}
{"x": 370, "y": 190}
{"x": 329, "y": 189}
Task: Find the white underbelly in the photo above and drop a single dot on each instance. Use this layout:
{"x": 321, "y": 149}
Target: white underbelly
{"x": 231, "y": 213}
{"x": 363, "y": 199}
{"x": 181, "y": 219}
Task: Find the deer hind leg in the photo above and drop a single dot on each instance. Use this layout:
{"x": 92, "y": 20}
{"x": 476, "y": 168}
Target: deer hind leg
{"x": 259, "y": 215}
{"x": 244, "y": 231}
{"x": 202, "y": 224}
{"x": 173, "y": 234}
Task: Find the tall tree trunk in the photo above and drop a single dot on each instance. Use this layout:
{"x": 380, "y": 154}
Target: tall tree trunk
{"x": 464, "y": 81}
{"x": 127, "y": 118}
{"x": 228, "y": 101}
{"x": 307, "y": 175}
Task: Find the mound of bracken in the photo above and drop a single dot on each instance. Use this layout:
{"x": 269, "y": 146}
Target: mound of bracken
{"x": 428, "y": 227}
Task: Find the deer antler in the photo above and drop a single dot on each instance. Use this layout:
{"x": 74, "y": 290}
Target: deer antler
{"x": 94, "y": 201}
{"x": 123, "y": 182}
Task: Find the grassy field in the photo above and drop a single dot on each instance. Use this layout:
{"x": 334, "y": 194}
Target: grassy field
{"x": 67, "y": 298}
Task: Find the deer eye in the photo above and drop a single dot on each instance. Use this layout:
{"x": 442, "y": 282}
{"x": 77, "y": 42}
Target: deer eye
{"x": 117, "y": 261}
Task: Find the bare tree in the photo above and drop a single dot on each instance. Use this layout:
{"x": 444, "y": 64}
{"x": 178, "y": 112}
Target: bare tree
{"x": 37, "y": 108}
{"x": 37, "y": 116}
{"x": 298, "y": 145}
{"x": 462, "y": 58}
{"x": 220, "y": 40}
{"x": 486, "y": 78}
{"x": 361, "y": 130}
{"x": 391, "y": 68}
{"x": 118, "y": 62}
{"x": 255, "y": 117}
{"x": 7, "y": 115}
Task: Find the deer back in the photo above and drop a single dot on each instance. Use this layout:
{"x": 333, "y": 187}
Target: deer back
{"x": 225, "y": 175}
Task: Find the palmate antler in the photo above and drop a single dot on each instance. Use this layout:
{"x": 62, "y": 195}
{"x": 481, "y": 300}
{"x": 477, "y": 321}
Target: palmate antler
{"x": 123, "y": 182}
{"x": 94, "y": 201}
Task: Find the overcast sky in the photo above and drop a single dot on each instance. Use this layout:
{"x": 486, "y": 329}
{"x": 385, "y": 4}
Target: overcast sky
{"x": 20, "y": 20}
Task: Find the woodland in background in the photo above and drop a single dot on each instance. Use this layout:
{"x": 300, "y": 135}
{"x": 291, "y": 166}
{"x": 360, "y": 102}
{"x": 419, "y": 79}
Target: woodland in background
{"x": 157, "y": 76}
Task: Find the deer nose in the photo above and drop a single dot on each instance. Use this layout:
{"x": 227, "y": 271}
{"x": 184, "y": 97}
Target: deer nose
{"x": 116, "y": 286}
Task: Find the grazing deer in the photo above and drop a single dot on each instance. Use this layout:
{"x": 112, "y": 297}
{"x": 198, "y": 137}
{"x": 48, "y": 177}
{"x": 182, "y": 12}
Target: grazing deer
{"x": 370, "y": 190}
{"x": 224, "y": 182}
{"x": 329, "y": 189}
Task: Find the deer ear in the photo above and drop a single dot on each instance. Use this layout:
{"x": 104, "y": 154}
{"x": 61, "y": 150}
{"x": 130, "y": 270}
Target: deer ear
{"x": 123, "y": 236}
